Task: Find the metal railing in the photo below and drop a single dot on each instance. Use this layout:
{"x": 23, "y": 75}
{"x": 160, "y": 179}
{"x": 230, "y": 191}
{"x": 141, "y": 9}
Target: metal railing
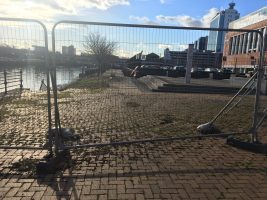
{"x": 11, "y": 80}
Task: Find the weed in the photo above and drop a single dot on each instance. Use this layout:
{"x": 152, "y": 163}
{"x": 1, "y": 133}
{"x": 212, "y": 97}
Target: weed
{"x": 167, "y": 119}
{"x": 132, "y": 104}
{"x": 3, "y": 112}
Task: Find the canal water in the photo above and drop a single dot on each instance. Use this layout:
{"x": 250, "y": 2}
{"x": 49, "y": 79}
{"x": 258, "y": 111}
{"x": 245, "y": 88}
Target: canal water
{"x": 32, "y": 76}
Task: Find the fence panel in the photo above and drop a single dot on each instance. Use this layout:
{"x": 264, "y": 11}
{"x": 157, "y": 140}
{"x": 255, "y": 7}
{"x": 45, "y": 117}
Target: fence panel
{"x": 135, "y": 81}
{"x": 24, "y": 118}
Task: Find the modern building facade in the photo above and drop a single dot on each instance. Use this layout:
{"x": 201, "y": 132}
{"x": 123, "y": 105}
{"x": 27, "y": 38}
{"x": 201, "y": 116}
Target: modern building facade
{"x": 242, "y": 50}
{"x": 221, "y": 20}
{"x": 140, "y": 59}
{"x": 203, "y": 59}
{"x": 201, "y": 44}
{"x": 68, "y": 51}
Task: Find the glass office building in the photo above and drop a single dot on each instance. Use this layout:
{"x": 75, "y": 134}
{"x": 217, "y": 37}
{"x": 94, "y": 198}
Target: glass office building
{"x": 221, "y": 20}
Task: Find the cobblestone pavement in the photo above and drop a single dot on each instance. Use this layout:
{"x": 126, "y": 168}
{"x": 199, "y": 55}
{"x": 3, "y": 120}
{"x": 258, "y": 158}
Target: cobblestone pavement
{"x": 191, "y": 169}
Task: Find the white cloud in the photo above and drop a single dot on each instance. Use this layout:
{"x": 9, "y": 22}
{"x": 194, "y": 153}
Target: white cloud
{"x": 185, "y": 20}
{"x": 143, "y": 20}
{"x": 206, "y": 19}
{"x": 182, "y": 20}
{"x": 162, "y": 1}
{"x": 179, "y": 47}
{"x": 48, "y": 9}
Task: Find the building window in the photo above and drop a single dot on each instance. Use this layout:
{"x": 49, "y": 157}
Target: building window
{"x": 255, "y": 40}
{"x": 245, "y": 43}
{"x": 237, "y": 44}
{"x": 234, "y": 45}
{"x": 250, "y": 41}
{"x": 241, "y": 44}
{"x": 230, "y": 46}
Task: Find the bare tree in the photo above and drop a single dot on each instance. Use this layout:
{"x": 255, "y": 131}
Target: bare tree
{"x": 100, "y": 48}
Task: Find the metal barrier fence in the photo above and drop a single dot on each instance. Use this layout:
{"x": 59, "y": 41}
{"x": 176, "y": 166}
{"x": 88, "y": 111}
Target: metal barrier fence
{"x": 135, "y": 88}
{"x": 139, "y": 84}
{"x": 10, "y": 80}
{"x": 25, "y": 119}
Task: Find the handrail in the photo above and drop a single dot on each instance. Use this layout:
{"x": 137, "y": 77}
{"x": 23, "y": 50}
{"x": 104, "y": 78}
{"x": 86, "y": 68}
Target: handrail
{"x": 9, "y": 79}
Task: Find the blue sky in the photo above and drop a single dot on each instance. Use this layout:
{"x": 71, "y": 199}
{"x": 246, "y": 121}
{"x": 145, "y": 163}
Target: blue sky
{"x": 143, "y": 11}
{"x": 176, "y": 12}
{"x": 162, "y": 12}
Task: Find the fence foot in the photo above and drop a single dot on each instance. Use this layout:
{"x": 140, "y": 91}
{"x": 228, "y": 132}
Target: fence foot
{"x": 55, "y": 164}
{"x": 208, "y": 128}
{"x": 255, "y": 147}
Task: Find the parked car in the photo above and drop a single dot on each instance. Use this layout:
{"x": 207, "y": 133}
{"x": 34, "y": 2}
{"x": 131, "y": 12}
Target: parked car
{"x": 199, "y": 73}
{"x": 151, "y": 70}
{"x": 177, "y": 71}
{"x": 211, "y": 70}
{"x": 222, "y": 74}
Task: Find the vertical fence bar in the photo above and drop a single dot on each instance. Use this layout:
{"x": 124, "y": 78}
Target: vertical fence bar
{"x": 5, "y": 81}
{"x": 254, "y": 135}
{"x": 54, "y": 86}
{"x": 21, "y": 85}
{"x": 48, "y": 69}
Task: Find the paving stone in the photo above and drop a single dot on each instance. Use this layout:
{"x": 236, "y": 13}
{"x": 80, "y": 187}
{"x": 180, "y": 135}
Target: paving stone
{"x": 196, "y": 169}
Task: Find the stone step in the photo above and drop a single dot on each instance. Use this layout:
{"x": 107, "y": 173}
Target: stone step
{"x": 206, "y": 87}
{"x": 197, "y": 89}
{"x": 152, "y": 82}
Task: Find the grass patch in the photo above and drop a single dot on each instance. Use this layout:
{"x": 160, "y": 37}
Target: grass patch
{"x": 132, "y": 104}
{"x": 247, "y": 164}
{"x": 62, "y": 95}
{"x": 92, "y": 83}
{"x": 184, "y": 118}
{"x": 167, "y": 119}
{"x": 117, "y": 78}
{"x": 3, "y": 112}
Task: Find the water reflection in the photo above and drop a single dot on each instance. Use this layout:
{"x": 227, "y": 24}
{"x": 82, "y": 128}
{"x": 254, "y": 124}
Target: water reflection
{"x": 32, "y": 76}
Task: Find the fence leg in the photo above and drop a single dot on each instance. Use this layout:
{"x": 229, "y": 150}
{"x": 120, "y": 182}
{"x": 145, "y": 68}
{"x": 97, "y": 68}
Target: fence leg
{"x": 254, "y": 135}
{"x": 5, "y": 81}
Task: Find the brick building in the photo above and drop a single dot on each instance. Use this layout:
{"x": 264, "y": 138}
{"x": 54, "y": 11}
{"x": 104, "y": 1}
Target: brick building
{"x": 242, "y": 50}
